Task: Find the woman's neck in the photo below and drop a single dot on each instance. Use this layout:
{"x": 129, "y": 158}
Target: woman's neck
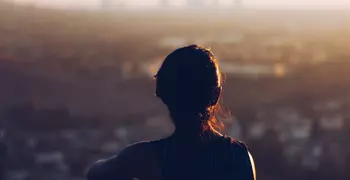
{"x": 192, "y": 127}
{"x": 194, "y": 134}
{"x": 179, "y": 137}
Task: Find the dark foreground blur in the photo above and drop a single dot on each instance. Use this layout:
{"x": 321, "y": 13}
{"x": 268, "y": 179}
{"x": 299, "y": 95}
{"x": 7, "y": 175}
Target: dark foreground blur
{"x": 77, "y": 86}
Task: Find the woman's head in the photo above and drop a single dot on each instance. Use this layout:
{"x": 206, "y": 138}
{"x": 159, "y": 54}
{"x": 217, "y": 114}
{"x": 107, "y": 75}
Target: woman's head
{"x": 189, "y": 83}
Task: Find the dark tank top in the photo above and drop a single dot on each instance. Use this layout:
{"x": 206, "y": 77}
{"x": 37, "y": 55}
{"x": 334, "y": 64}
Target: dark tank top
{"x": 221, "y": 158}
{"x": 218, "y": 159}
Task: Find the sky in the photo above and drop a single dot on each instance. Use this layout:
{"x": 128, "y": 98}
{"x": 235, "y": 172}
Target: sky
{"x": 324, "y": 4}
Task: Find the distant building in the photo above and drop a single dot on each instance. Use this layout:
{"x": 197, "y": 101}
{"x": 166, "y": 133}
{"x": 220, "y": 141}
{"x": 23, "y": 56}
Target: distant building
{"x": 52, "y": 161}
{"x": 121, "y": 133}
{"x": 236, "y": 129}
{"x": 49, "y": 158}
{"x": 257, "y": 130}
{"x": 110, "y": 147}
{"x": 332, "y": 122}
{"x": 311, "y": 156}
{"x": 17, "y": 174}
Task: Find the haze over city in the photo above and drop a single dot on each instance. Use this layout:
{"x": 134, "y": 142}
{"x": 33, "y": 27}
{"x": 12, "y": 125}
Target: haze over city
{"x": 77, "y": 81}
{"x": 270, "y": 4}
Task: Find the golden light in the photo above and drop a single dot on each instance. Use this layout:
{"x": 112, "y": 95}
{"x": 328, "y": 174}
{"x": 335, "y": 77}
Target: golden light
{"x": 280, "y": 70}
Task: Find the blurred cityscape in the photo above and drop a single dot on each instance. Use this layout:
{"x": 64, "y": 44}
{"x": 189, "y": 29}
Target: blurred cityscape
{"x": 77, "y": 86}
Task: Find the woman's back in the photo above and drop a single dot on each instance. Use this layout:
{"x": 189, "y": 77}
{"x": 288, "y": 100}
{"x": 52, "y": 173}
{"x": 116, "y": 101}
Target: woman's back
{"x": 220, "y": 158}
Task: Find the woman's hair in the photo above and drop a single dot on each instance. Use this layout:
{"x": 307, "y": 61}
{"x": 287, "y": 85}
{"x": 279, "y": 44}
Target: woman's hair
{"x": 189, "y": 82}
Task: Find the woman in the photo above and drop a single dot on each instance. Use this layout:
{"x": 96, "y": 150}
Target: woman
{"x": 189, "y": 83}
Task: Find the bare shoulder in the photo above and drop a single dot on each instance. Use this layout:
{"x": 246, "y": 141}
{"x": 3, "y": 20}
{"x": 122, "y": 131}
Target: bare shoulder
{"x": 237, "y": 143}
{"x": 236, "y": 146}
{"x": 240, "y": 150}
{"x": 120, "y": 165}
{"x": 244, "y": 159}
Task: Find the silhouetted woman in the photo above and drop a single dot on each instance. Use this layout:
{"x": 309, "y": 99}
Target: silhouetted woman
{"x": 189, "y": 83}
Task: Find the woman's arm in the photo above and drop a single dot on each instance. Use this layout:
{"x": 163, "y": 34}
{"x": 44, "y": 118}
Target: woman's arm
{"x": 117, "y": 167}
{"x": 123, "y": 166}
{"x": 108, "y": 169}
{"x": 252, "y": 163}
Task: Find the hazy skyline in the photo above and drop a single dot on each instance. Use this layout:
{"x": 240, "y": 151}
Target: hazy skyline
{"x": 247, "y": 3}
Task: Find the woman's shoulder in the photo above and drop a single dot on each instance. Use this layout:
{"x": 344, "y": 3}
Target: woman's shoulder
{"x": 235, "y": 144}
{"x": 237, "y": 149}
{"x": 242, "y": 158}
{"x": 111, "y": 167}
